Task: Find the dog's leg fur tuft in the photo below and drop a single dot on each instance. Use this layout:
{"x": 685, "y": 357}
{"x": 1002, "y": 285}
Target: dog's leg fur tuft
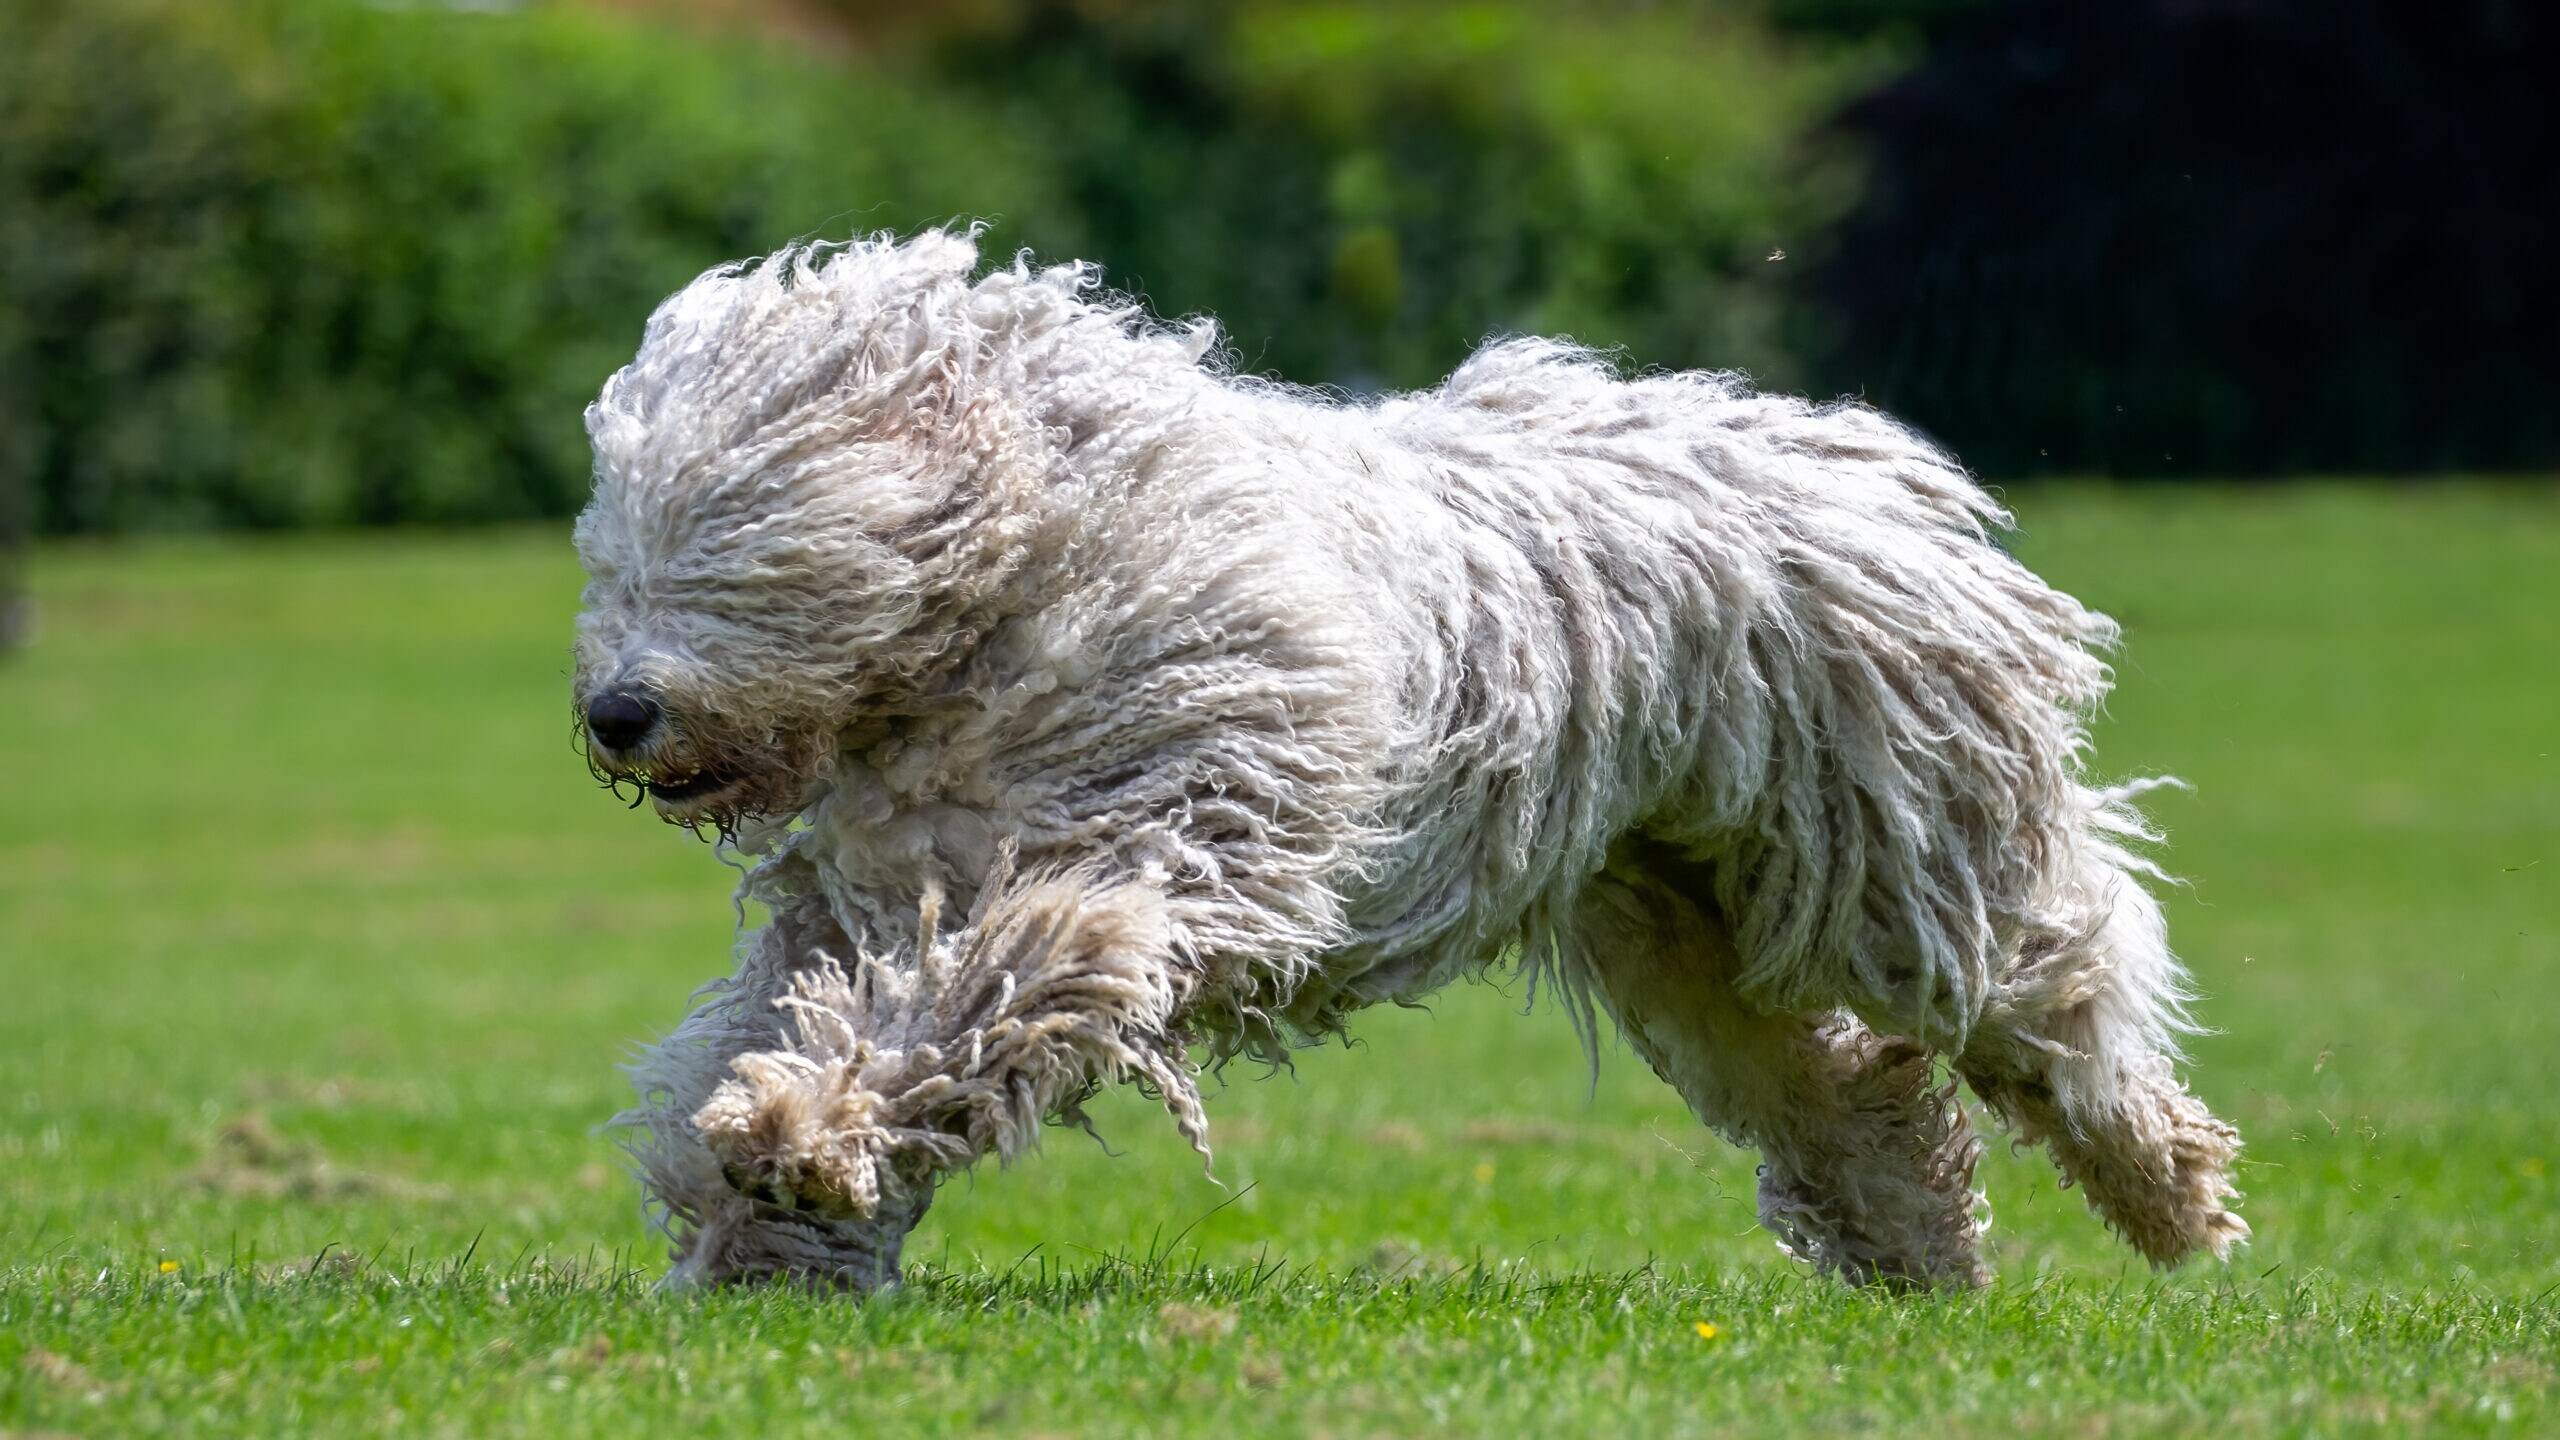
{"x": 908, "y": 1069}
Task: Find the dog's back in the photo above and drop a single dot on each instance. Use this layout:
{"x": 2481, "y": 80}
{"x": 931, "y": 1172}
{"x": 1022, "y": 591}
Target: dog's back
{"x": 1774, "y": 635}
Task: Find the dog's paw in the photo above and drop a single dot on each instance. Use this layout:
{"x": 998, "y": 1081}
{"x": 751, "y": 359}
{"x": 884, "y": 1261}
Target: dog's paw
{"x": 764, "y": 1185}
{"x": 791, "y": 1188}
{"x": 795, "y": 1138}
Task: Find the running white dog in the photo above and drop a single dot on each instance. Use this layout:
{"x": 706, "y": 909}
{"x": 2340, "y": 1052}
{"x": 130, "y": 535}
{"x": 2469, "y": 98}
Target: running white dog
{"x": 1082, "y": 704}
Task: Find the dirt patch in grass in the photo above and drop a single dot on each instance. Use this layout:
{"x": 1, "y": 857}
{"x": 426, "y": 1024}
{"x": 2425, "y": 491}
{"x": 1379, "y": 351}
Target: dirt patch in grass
{"x": 63, "y": 1373}
{"x": 251, "y": 1159}
{"x": 1196, "y": 1322}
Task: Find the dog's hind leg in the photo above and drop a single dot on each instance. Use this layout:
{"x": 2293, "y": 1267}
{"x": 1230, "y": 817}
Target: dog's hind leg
{"x": 2077, "y": 1051}
{"x": 1867, "y": 1161}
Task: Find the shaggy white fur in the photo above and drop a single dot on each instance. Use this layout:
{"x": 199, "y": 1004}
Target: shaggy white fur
{"x": 1219, "y": 710}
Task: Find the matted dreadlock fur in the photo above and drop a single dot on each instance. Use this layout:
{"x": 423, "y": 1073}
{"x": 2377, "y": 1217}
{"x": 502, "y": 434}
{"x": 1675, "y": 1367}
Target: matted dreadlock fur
{"x": 1221, "y": 710}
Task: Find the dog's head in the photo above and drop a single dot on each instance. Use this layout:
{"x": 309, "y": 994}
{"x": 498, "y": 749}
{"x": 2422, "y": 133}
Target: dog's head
{"x": 811, "y": 486}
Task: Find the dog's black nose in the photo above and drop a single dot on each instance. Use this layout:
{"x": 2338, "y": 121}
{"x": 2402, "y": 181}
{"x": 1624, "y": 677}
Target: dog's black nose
{"x": 620, "y": 719}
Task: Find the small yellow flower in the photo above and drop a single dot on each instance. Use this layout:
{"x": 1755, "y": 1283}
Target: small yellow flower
{"x": 1705, "y": 1330}
{"x": 2532, "y": 1167}
{"x": 1484, "y": 1172}
{"x": 168, "y": 1267}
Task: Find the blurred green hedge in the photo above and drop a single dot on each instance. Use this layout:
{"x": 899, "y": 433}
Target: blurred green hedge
{"x": 1364, "y": 190}
{"x": 293, "y": 262}
{"x": 276, "y": 263}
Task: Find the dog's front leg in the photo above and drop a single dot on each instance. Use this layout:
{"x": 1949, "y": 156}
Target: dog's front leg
{"x": 724, "y": 1225}
{"x": 896, "y": 1072}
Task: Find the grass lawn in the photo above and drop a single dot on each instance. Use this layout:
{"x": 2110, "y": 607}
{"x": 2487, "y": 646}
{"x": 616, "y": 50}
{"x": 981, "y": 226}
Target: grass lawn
{"x": 318, "y": 950}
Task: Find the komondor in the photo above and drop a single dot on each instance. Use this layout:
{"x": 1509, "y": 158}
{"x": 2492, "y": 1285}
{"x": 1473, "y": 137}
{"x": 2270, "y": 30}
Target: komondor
{"x": 1078, "y": 705}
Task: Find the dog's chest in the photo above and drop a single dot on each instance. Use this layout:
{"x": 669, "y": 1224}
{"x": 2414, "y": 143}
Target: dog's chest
{"x": 893, "y": 827}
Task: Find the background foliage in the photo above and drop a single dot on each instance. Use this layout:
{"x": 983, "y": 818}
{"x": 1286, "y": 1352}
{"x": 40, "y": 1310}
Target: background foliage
{"x": 315, "y": 263}
{"x": 1364, "y": 192}
{"x": 311, "y": 262}
{"x": 2154, "y": 237}
{"x": 298, "y": 262}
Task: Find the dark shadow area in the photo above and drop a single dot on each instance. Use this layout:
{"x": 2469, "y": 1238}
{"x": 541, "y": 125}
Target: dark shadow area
{"x": 2167, "y": 237}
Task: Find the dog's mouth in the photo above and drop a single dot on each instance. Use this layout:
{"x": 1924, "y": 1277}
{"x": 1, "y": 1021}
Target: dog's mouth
{"x": 684, "y": 789}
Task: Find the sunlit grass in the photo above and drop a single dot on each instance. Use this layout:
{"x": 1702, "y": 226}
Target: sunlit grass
{"x": 317, "y": 941}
